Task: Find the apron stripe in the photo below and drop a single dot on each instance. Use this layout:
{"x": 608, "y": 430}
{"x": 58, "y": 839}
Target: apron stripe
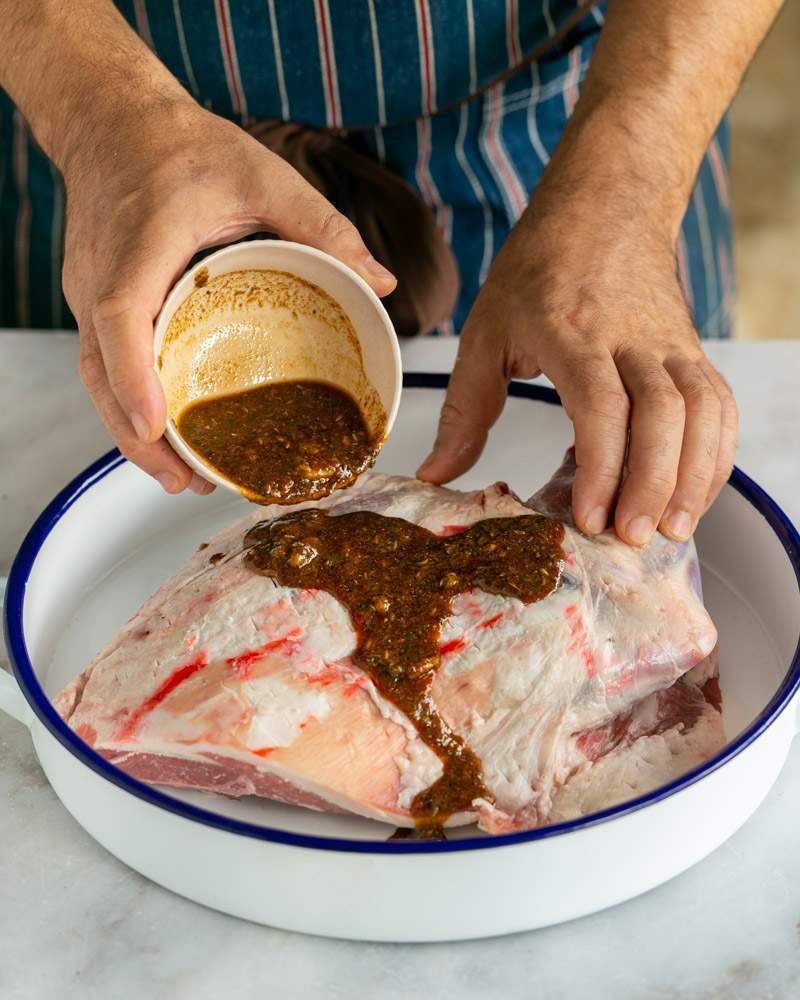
{"x": 709, "y": 273}
{"x": 422, "y": 172}
{"x": 187, "y": 62}
{"x": 229, "y": 58}
{"x": 597, "y": 14}
{"x": 376, "y": 55}
{"x": 682, "y": 259}
{"x": 506, "y": 177}
{"x": 380, "y": 143}
{"x": 473, "y": 68}
{"x": 142, "y": 23}
{"x": 725, "y": 271}
{"x": 719, "y": 173}
{"x": 430, "y": 192}
{"x": 426, "y": 58}
{"x": 23, "y": 226}
{"x": 328, "y": 60}
{"x": 276, "y": 46}
{"x": 533, "y": 128}
{"x": 478, "y": 191}
{"x": 548, "y": 18}
{"x": 571, "y": 91}
{"x": 512, "y": 33}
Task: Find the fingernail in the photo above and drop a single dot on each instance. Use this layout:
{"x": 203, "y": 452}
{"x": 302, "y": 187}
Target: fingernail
{"x": 141, "y": 426}
{"x": 596, "y": 521}
{"x": 168, "y": 481}
{"x": 680, "y": 524}
{"x": 640, "y": 529}
{"x": 199, "y": 485}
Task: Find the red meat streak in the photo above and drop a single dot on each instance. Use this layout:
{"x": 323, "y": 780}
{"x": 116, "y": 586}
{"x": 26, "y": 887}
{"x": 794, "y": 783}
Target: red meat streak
{"x": 453, "y": 646}
{"x": 175, "y": 679}
{"x": 243, "y": 663}
{"x": 579, "y": 642}
{"x": 491, "y": 622}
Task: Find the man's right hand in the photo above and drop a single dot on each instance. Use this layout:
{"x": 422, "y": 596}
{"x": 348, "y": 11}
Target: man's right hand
{"x": 140, "y": 203}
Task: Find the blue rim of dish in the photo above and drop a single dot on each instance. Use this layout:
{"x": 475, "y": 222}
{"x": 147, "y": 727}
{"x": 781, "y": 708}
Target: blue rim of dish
{"x": 42, "y": 707}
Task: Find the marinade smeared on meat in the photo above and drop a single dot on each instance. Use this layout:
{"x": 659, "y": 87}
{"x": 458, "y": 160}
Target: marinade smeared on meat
{"x": 398, "y": 581}
{"x": 282, "y": 442}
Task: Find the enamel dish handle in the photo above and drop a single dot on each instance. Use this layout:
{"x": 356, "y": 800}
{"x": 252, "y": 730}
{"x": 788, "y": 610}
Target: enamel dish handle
{"x": 11, "y": 698}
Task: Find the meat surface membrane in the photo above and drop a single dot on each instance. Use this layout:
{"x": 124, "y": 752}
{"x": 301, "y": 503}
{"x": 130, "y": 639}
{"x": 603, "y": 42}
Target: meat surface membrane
{"x": 600, "y": 692}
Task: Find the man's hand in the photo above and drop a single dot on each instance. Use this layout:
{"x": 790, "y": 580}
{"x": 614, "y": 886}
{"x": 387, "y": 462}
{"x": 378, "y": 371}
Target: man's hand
{"x": 139, "y": 207}
{"x": 597, "y": 308}
{"x": 585, "y": 288}
{"x": 151, "y": 178}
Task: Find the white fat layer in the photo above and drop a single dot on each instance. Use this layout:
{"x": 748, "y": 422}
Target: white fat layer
{"x": 279, "y": 711}
{"x": 647, "y": 764}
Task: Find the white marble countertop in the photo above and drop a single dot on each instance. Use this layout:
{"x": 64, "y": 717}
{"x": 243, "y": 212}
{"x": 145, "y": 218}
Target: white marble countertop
{"x": 76, "y": 923}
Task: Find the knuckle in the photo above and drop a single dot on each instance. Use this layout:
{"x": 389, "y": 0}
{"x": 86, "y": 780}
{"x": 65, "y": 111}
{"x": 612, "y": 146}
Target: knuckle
{"x": 665, "y": 398}
{"x": 661, "y": 483}
{"x": 657, "y": 481}
{"x": 109, "y": 307}
{"x": 334, "y": 227}
{"x": 129, "y": 450}
{"x": 700, "y": 396}
{"x": 121, "y": 384}
{"x": 730, "y": 410}
{"x": 91, "y": 370}
{"x": 695, "y": 479}
{"x": 451, "y": 414}
{"x": 598, "y": 400}
{"x": 603, "y": 473}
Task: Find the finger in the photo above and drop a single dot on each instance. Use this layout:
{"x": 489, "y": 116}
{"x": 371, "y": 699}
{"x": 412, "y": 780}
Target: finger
{"x": 657, "y": 421}
{"x": 729, "y": 431}
{"x": 475, "y": 397}
{"x": 595, "y": 400}
{"x": 299, "y": 212}
{"x": 701, "y": 436}
{"x": 157, "y": 459}
{"x": 123, "y": 328}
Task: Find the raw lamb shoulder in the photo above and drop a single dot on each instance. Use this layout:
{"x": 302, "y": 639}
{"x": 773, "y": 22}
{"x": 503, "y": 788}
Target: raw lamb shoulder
{"x": 602, "y": 691}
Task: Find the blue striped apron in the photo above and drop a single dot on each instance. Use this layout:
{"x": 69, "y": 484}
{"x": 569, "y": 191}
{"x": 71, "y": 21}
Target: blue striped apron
{"x": 381, "y": 70}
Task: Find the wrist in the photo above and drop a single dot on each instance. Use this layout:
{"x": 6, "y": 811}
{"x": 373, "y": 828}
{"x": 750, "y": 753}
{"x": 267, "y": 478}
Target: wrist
{"x": 610, "y": 164}
{"x": 119, "y": 126}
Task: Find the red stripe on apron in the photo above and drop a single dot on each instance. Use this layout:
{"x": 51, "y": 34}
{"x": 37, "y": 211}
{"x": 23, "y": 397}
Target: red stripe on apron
{"x": 426, "y": 57}
{"x": 230, "y": 59}
{"x": 505, "y": 173}
{"x": 328, "y": 64}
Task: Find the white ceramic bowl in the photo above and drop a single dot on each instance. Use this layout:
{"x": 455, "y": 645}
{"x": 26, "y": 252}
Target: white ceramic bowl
{"x": 72, "y": 586}
{"x": 199, "y": 362}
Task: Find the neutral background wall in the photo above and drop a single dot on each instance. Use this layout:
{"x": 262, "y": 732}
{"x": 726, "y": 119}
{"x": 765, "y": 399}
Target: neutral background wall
{"x": 765, "y": 184}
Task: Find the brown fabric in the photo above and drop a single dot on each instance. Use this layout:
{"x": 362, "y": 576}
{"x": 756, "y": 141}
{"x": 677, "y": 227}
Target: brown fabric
{"x": 395, "y": 223}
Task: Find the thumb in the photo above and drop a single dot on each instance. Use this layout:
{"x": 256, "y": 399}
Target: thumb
{"x": 300, "y": 213}
{"x": 475, "y": 397}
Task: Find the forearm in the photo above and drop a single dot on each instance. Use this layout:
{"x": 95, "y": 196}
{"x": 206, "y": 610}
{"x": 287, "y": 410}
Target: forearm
{"x": 71, "y": 68}
{"x": 662, "y": 76}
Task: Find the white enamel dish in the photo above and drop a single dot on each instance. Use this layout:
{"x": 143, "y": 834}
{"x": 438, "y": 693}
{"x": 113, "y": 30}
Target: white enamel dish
{"x": 107, "y": 541}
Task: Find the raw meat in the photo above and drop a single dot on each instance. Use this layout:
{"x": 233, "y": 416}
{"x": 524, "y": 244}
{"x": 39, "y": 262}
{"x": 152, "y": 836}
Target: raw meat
{"x": 225, "y": 681}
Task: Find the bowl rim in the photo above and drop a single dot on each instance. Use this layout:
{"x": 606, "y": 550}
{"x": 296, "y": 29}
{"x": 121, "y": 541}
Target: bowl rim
{"x": 42, "y": 707}
{"x": 183, "y": 287}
